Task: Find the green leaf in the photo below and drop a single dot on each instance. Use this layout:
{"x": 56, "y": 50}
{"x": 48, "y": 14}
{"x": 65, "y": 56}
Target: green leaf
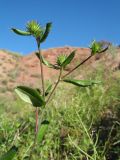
{"x": 68, "y": 59}
{"x": 42, "y": 130}
{"x": 47, "y": 30}
{"x": 30, "y": 95}
{"x": 20, "y": 32}
{"x": 45, "y": 62}
{"x": 10, "y": 154}
{"x": 39, "y": 90}
{"x": 82, "y": 83}
{"x": 48, "y": 89}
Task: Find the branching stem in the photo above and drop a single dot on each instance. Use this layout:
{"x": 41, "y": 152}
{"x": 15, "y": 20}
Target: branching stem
{"x": 56, "y": 84}
{"x": 76, "y": 67}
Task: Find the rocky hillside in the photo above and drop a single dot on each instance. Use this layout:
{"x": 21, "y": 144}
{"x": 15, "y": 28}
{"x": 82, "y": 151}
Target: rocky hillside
{"x": 16, "y": 69}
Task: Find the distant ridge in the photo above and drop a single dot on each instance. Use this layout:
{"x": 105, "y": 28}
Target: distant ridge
{"x": 17, "y": 69}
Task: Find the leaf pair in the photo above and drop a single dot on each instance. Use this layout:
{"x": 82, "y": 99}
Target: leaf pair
{"x": 34, "y": 29}
{"x": 62, "y": 60}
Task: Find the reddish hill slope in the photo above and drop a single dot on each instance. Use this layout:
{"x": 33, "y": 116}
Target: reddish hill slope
{"x": 16, "y": 69}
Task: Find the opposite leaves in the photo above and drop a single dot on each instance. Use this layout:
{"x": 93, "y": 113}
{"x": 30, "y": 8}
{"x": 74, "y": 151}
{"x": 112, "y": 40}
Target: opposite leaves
{"x": 34, "y": 29}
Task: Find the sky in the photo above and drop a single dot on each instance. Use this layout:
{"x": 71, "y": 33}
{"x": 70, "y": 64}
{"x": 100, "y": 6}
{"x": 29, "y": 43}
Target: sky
{"x": 74, "y": 22}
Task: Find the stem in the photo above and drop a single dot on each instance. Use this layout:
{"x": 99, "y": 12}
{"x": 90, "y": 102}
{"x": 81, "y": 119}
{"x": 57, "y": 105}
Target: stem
{"x": 36, "y": 128}
{"x": 42, "y": 75}
{"x": 37, "y": 113}
{"x": 52, "y": 92}
{"x": 36, "y": 132}
{"x": 76, "y": 67}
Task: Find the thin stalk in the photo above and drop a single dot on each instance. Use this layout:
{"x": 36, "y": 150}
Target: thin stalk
{"x": 76, "y": 67}
{"x": 42, "y": 75}
{"x": 37, "y": 113}
{"x": 82, "y": 151}
{"x": 43, "y": 89}
{"x": 27, "y": 151}
{"x": 52, "y": 92}
{"x": 36, "y": 128}
{"x": 36, "y": 132}
{"x": 33, "y": 147}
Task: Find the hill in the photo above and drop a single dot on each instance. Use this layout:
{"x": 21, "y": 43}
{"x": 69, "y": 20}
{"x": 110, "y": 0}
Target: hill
{"x": 16, "y": 69}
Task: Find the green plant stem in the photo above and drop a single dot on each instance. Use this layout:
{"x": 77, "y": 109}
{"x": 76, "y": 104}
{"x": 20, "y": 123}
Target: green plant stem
{"x": 43, "y": 89}
{"x": 42, "y": 75}
{"x": 56, "y": 84}
{"x": 82, "y": 151}
{"x": 27, "y": 150}
{"x": 37, "y": 113}
{"x": 76, "y": 67}
{"x": 36, "y": 132}
{"x": 36, "y": 128}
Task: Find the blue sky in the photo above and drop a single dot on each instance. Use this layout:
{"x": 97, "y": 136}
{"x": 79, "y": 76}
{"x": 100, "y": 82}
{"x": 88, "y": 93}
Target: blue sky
{"x": 75, "y": 22}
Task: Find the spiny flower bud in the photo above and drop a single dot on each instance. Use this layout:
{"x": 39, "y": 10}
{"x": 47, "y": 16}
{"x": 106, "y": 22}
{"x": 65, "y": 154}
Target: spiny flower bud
{"x": 34, "y": 28}
{"x": 95, "y": 47}
{"x": 60, "y": 59}
{"x": 98, "y": 47}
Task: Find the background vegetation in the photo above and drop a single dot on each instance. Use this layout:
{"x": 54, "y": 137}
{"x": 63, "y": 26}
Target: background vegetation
{"x": 84, "y": 125}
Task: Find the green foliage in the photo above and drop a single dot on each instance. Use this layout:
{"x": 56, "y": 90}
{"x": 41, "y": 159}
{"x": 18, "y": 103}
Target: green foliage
{"x": 82, "y": 83}
{"x": 71, "y": 118}
{"x": 36, "y": 30}
{"x": 45, "y": 62}
{"x": 48, "y": 90}
{"x": 30, "y": 95}
{"x": 97, "y": 47}
{"x": 42, "y": 130}
{"x": 10, "y": 154}
{"x": 46, "y": 33}
{"x": 68, "y": 59}
{"x": 20, "y": 32}
{"x": 63, "y": 60}
{"x": 60, "y": 59}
